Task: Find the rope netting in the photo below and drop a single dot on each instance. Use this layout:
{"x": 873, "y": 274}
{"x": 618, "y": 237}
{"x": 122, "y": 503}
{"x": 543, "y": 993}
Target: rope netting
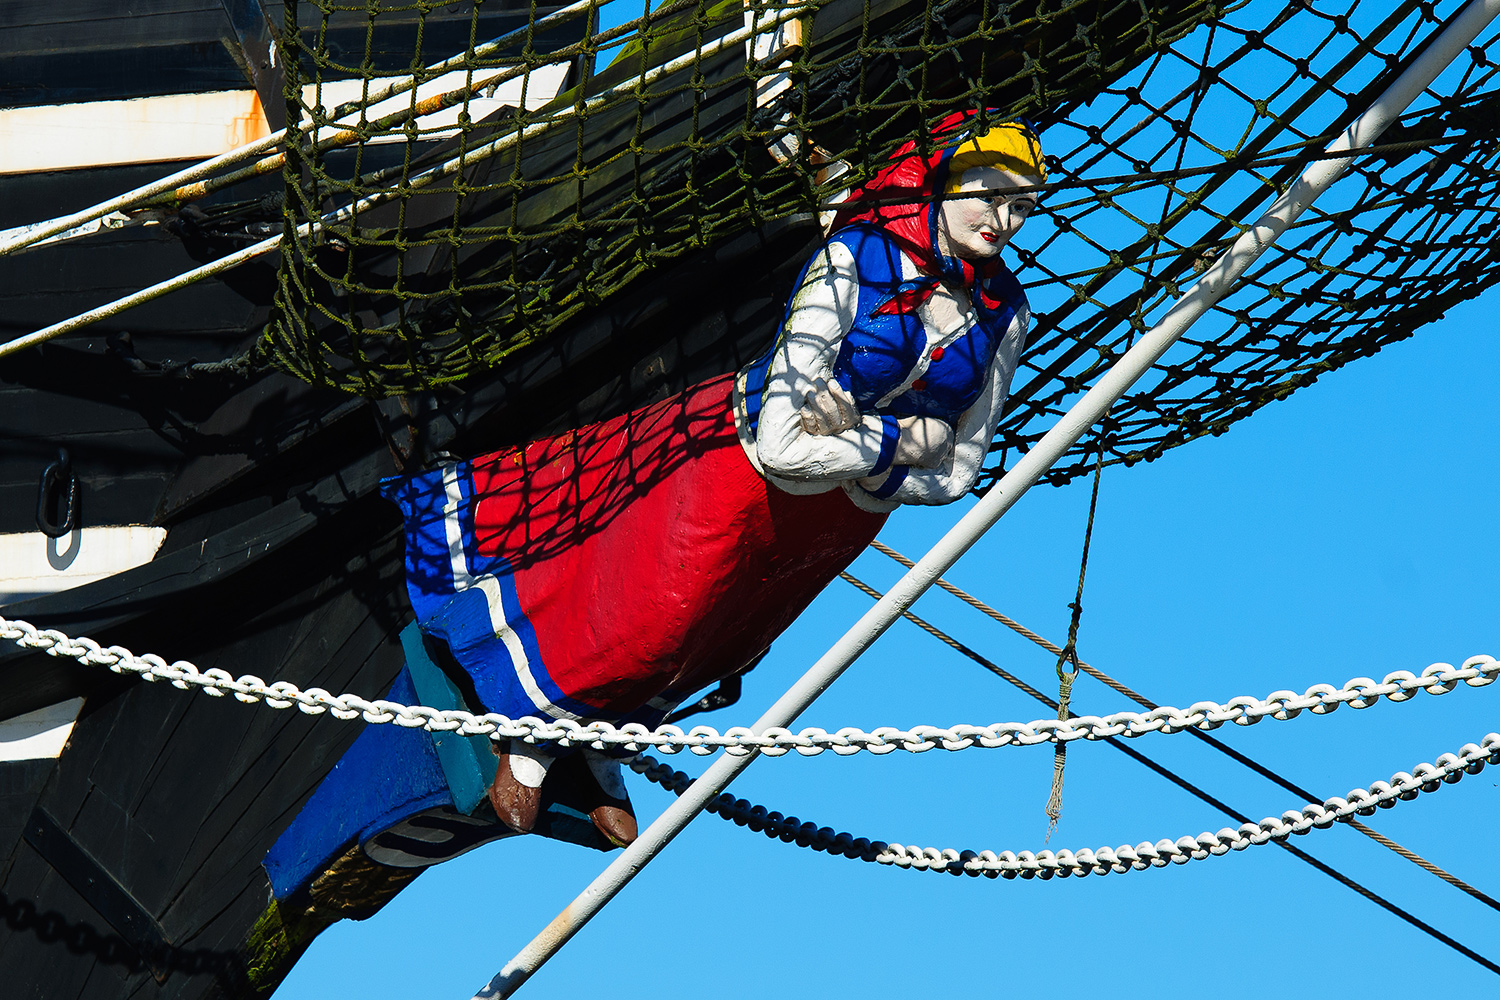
{"x": 530, "y": 165}
{"x": 1166, "y": 166}
{"x": 477, "y": 231}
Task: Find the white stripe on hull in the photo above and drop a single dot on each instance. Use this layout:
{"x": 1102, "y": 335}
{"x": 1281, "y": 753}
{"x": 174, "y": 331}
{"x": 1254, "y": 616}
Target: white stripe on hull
{"x": 143, "y": 130}
{"x": 196, "y": 126}
{"x": 31, "y": 564}
{"x": 39, "y": 735}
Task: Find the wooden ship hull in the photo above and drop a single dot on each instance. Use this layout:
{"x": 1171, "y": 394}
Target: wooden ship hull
{"x": 131, "y": 861}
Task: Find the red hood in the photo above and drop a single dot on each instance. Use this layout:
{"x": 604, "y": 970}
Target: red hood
{"x": 918, "y": 181}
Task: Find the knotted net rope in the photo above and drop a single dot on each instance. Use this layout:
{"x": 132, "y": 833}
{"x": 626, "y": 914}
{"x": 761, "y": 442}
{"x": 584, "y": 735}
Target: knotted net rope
{"x": 490, "y": 226}
{"x": 692, "y": 123}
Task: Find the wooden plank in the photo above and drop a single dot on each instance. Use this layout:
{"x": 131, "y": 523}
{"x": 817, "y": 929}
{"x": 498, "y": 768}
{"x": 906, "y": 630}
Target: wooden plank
{"x": 276, "y": 413}
{"x": 100, "y": 886}
{"x": 48, "y": 919}
{"x": 131, "y": 499}
{"x": 86, "y": 50}
{"x": 261, "y": 775}
{"x": 276, "y": 778}
{"x": 107, "y": 978}
{"x": 29, "y": 198}
{"x": 84, "y": 417}
{"x": 237, "y": 861}
{"x": 51, "y": 75}
{"x": 106, "y": 264}
{"x": 194, "y": 311}
{"x": 177, "y": 572}
{"x": 114, "y": 129}
{"x": 21, "y": 782}
{"x": 17, "y": 14}
{"x": 223, "y": 751}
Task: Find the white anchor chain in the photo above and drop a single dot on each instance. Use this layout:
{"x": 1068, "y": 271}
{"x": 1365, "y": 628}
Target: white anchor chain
{"x": 1320, "y": 699}
{"x": 1449, "y": 769}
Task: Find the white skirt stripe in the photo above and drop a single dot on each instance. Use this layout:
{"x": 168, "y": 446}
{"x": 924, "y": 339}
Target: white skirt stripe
{"x": 494, "y": 598}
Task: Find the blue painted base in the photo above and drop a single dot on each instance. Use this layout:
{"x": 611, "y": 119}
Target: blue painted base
{"x": 410, "y": 797}
{"x": 467, "y": 761}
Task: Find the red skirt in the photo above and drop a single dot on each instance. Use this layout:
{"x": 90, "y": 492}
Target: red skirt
{"x": 649, "y": 556}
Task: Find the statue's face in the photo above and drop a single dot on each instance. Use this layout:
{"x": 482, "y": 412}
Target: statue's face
{"x": 976, "y": 228}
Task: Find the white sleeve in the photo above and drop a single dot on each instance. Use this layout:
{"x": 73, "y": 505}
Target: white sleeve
{"x": 958, "y": 473}
{"x": 823, "y": 311}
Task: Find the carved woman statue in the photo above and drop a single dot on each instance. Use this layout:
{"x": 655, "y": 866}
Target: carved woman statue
{"x": 611, "y": 571}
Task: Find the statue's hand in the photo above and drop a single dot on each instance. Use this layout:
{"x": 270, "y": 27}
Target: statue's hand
{"x": 925, "y": 442}
{"x": 828, "y": 409}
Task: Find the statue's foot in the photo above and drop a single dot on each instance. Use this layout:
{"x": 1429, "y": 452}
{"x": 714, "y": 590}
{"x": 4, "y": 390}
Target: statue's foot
{"x": 590, "y": 783}
{"x": 516, "y": 793}
{"x": 611, "y": 810}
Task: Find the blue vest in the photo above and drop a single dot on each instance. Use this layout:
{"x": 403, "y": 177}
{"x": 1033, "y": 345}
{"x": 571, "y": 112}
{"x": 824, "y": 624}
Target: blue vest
{"x": 888, "y": 339}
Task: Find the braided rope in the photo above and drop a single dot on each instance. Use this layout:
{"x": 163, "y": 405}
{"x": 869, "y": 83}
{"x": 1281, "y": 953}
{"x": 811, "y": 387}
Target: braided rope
{"x": 1403, "y": 786}
{"x": 1320, "y": 699}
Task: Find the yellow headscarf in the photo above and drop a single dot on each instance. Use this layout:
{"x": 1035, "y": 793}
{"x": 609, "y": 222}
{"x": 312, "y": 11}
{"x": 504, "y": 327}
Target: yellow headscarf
{"x": 1010, "y": 146}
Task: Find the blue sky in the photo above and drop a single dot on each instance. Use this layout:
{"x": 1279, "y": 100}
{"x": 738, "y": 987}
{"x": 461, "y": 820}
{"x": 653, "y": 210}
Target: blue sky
{"x": 1347, "y": 531}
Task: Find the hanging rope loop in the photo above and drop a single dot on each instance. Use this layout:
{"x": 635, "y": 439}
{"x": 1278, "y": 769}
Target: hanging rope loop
{"x": 1069, "y": 653}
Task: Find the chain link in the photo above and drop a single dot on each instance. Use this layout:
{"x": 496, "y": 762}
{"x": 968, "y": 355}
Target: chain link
{"x": 1360, "y": 692}
{"x": 1449, "y": 769}
{"x": 1320, "y": 699}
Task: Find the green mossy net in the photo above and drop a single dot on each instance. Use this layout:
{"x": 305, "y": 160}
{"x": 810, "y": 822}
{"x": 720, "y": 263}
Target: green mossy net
{"x": 1168, "y": 125}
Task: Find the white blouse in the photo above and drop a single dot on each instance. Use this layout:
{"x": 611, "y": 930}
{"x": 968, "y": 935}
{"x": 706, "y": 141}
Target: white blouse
{"x": 823, "y": 311}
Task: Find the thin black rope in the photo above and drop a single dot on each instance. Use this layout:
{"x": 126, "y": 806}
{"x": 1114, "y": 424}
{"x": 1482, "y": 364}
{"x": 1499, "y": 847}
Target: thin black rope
{"x": 1186, "y": 785}
{"x": 1235, "y": 755}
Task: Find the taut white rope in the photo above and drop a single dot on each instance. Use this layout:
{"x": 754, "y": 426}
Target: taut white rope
{"x": 1320, "y": 699}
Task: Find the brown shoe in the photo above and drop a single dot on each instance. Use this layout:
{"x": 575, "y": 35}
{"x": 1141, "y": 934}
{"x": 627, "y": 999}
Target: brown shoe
{"x": 516, "y": 794}
{"x": 612, "y": 813}
{"x": 616, "y": 822}
{"x": 590, "y": 783}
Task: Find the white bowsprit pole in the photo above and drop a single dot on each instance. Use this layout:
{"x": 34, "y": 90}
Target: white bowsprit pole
{"x": 1216, "y": 281}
